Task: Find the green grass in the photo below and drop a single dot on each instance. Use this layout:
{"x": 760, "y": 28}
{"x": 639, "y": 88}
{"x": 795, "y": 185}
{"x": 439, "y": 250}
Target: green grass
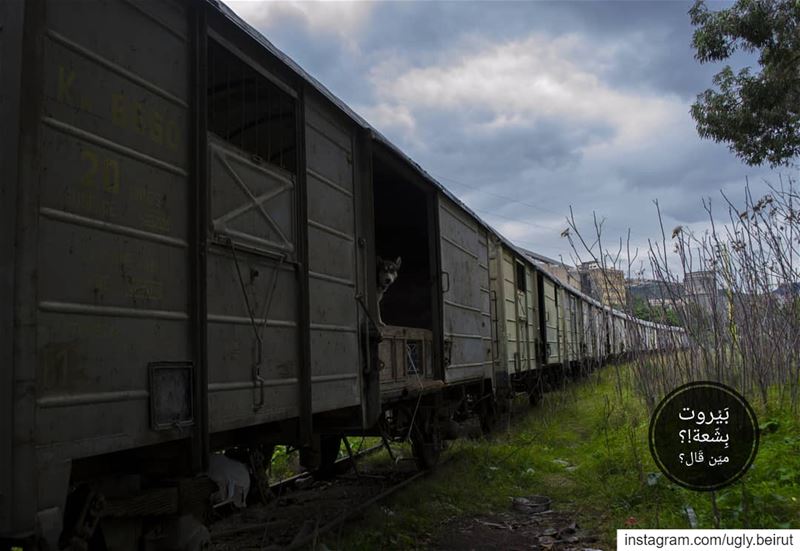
{"x": 286, "y": 463}
{"x": 586, "y": 448}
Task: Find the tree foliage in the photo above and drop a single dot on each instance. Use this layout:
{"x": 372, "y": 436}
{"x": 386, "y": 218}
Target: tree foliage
{"x": 657, "y": 314}
{"x": 756, "y": 113}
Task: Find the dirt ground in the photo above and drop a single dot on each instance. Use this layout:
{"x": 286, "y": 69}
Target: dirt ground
{"x": 516, "y": 531}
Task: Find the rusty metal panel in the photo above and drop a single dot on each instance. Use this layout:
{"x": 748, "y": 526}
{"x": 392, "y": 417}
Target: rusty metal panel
{"x": 336, "y": 264}
{"x": 464, "y": 262}
{"x": 112, "y": 253}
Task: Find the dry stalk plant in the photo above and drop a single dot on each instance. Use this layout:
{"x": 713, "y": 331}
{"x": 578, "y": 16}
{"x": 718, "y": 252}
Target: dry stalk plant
{"x": 734, "y": 288}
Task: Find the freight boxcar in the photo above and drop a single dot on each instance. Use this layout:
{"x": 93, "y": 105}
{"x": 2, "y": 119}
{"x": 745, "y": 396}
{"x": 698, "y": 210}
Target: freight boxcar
{"x": 189, "y": 227}
{"x": 514, "y": 287}
{"x": 187, "y": 249}
{"x": 437, "y": 352}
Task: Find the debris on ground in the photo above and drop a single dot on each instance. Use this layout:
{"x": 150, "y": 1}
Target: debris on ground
{"x": 530, "y": 525}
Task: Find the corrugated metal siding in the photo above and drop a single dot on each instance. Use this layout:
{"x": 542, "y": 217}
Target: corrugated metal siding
{"x": 113, "y": 285}
{"x": 465, "y": 258}
{"x": 334, "y": 260}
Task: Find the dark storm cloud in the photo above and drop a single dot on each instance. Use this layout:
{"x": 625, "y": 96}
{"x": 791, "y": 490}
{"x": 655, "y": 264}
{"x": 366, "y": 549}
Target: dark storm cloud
{"x": 524, "y": 109}
{"x": 659, "y": 54}
{"x": 502, "y": 154}
{"x": 655, "y": 37}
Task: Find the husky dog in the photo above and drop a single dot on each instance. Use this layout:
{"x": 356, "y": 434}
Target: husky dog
{"x": 387, "y": 273}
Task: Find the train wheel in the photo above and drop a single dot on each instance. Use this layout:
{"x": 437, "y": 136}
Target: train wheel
{"x": 426, "y": 444}
{"x": 82, "y": 529}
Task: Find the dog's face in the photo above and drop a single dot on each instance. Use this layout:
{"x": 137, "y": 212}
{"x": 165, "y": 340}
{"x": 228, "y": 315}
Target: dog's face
{"x": 387, "y": 271}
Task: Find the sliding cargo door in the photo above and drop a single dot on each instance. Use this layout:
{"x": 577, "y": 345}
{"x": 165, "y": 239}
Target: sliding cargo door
{"x": 465, "y": 295}
{"x": 336, "y": 269}
{"x": 522, "y": 312}
{"x": 552, "y": 352}
{"x": 252, "y": 291}
{"x": 533, "y": 318}
{"x": 511, "y": 314}
{"x": 253, "y": 280}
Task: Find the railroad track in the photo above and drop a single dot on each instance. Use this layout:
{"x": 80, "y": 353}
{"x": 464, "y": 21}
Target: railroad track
{"x": 303, "y": 510}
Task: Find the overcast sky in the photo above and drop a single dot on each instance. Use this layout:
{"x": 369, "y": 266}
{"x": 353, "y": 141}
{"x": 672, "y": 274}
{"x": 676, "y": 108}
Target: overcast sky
{"x": 525, "y": 109}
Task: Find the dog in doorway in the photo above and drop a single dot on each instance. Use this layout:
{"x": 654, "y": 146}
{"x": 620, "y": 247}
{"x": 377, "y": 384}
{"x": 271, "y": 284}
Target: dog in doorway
{"x": 387, "y": 274}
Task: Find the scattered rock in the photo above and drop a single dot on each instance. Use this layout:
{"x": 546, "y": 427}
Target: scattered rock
{"x": 531, "y": 504}
{"x": 514, "y": 530}
{"x": 571, "y": 529}
{"x": 495, "y": 525}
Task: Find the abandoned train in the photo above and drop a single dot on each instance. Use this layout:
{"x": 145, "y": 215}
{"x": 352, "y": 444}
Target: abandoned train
{"x": 189, "y": 227}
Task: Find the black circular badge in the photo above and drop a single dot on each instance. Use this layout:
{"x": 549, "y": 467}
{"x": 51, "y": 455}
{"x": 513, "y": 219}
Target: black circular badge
{"x": 703, "y": 436}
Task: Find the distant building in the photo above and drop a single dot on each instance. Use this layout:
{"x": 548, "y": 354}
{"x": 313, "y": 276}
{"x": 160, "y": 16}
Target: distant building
{"x": 607, "y": 286}
{"x": 663, "y": 294}
{"x": 786, "y": 293}
{"x": 701, "y": 288}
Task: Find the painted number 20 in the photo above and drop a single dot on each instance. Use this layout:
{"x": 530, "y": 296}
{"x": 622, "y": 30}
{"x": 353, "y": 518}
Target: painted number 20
{"x": 100, "y": 172}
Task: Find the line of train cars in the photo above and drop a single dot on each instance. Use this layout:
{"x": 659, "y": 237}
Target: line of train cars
{"x": 189, "y": 227}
